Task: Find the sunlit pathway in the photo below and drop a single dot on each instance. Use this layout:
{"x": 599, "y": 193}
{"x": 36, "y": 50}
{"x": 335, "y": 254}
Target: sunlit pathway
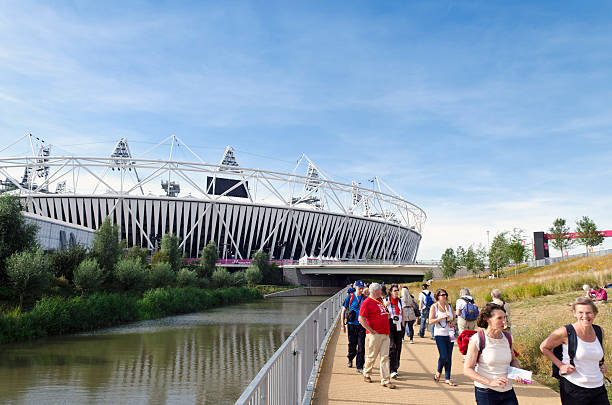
{"x": 338, "y": 384}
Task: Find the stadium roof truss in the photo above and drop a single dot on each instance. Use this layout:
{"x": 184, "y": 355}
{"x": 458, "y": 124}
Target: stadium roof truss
{"x": 123, "y": 175}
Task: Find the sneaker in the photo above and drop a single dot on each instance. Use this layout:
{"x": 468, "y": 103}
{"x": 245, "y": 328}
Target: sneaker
{"x": 350, "y": 363}
{"x": 360, "y": 371}
{"x": 394, "y": 375}
{"x": 411, "y": 341}
{"x": 367, "y": 379}
{"x": 389, "y": 385}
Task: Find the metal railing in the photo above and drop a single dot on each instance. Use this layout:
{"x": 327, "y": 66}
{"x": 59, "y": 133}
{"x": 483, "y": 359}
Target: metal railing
{"x": 284, "y": 378}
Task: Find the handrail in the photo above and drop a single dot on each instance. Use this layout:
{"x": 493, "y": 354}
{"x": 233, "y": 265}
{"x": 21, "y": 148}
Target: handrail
{"x": 285, "y": 376}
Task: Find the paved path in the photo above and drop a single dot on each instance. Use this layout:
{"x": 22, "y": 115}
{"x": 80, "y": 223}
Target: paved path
{"x": 338, "y": 384}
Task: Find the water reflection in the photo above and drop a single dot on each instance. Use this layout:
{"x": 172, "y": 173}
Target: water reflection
{"x": 206, "y": 357}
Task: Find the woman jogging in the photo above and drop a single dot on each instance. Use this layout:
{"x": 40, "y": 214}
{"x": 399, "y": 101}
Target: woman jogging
{"x": 441, "y": 316}
{"x": 410, "y": 312}
{"x": 579, "y": 360}
{"x": 490, "y": 351}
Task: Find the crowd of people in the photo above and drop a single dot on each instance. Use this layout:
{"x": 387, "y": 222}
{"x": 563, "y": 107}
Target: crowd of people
{"x": 379, "y": 319}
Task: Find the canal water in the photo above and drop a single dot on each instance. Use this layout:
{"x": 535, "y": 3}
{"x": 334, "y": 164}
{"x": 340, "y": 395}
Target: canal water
{"x": 201, "y": 358}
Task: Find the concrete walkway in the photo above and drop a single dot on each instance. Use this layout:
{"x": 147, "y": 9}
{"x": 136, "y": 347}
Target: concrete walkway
{"x": 338, "y": 384}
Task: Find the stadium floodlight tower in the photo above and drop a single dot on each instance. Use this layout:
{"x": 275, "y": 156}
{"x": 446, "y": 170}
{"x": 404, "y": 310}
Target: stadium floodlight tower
{"x": 228, "y": 162}
{"x": 313, "y": 192}
{"x": 122, "y": 159}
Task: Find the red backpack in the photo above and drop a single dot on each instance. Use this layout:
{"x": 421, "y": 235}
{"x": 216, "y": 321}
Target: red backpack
{"x": 464, "y": 339}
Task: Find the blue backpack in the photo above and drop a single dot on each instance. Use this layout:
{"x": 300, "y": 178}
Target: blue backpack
{"x": 470, "y": 311}
{"x": 429, "y": 301}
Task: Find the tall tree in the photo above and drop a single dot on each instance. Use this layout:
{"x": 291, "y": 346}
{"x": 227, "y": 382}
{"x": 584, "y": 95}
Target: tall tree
{"x": 15, "y": 234}
{"x": 28, "y": 272}
{"x": 498, "y": 254}
{"x": 471, "y": 260}
{"x": 210, "y": 255}
{"x": 588, "y": 235}
{"x": 106, "y": 247}
{"x": 449, "y": 263}
{"x": 516, "y": 248}
{"x": 460, "y": 254}
{"x": 559, "y": 240}
{"x": 170, "y": 246}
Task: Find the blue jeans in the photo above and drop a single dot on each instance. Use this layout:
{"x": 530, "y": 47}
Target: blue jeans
{"x": 445, "y": 349}
{"x": 424, "y": 318}
{"x": 487, "y": 396}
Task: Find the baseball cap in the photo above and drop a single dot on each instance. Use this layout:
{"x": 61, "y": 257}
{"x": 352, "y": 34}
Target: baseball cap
{"x": 359, "y": 284}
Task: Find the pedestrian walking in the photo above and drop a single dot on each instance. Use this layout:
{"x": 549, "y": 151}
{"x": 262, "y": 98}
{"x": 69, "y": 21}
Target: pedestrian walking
{"x": 374, "y": 317}
{"x": 396, "y": 329}
{"x": 441, "y": 316}
{"x": 466, "y": 311}
{"x": 576, "y": 351}
{"x": 488, "y": 356}
{"x": 356, "y": 332}
{"x": 410, "y": 313}
{"x": 496, "y": 296}
{"x": 426, "y": 300}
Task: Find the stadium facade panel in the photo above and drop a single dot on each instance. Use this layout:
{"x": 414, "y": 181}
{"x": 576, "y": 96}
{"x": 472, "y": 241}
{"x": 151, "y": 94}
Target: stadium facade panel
{"x": 238, "y": 229}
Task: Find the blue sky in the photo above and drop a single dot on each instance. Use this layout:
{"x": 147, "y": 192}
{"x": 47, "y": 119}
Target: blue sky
{"x": 490, "y": 116}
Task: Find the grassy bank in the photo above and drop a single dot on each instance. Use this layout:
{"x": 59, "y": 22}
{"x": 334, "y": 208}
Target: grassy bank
{"x": 59, "y": 315}
{"x": 540, "y": 302}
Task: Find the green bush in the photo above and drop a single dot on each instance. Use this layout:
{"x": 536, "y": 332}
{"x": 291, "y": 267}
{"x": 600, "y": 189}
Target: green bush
{"x": 170, "y": 247}
{"x": 88, "y": 276}
{"x": 253, "y": 275}
{"x": 64, "y": 263}
{"x": 238, "y": 279}
{"x": 58, "y": 315}
{"x": 187, "y": 278}
{"x": 162, "y": 275}
{"x": 131, "y": 274}
{"x": 28, "y": 273}
{"x": 221, "y": 278}
{"x": 204, "y": 282}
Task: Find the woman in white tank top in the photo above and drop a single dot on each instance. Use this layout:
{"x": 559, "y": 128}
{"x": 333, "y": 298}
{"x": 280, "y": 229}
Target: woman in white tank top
{"x": 489, "y": 367}
{"x": 583, "y": 381}
{"x": 441, "y": 316}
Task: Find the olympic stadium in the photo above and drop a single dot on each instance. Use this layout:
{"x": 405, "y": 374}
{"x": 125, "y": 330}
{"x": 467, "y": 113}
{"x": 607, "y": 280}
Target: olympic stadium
{"x": 289, "y": 214}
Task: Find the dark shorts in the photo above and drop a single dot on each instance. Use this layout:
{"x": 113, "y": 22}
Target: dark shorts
{"x": 572, "y": 394}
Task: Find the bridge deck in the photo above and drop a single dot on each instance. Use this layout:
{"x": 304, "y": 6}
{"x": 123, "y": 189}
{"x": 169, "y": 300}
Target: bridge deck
{"x": 338, "y": 384}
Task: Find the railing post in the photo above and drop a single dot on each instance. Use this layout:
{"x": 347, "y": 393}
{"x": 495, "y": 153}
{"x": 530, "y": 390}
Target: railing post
{"x": 299, "y": 389}
{"x": 326, "y": 320}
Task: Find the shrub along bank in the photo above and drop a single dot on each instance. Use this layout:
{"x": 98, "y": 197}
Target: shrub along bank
{"x": 59, "y": 315}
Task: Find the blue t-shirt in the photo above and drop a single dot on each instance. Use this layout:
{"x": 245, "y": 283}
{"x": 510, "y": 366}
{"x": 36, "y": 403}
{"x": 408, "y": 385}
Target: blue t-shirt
{"x": 355, "y": 306}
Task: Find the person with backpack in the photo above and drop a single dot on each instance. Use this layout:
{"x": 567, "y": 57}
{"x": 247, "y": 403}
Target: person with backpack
{"x": 441, "y": 317}
{"x": 489, "y": 354}
{"x": 426, "y": 300}
{"x": 356, "y": 333}
{"x": 467, "y": 311}
{"x": 411, "y": 313}
{"x": 496, "y": 299}
{"x": 576, "y": 351}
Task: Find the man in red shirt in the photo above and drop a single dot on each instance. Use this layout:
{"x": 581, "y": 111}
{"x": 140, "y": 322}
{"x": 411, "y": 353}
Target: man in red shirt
{"x": 374, "y": 317}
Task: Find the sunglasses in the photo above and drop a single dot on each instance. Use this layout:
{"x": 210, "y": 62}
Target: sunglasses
{"x": 443, "y": 295}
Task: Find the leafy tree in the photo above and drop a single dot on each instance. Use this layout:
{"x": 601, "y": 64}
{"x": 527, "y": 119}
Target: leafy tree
{"x": 131, "y": 274}
{"x": 137, "y": 252}
{"x": 159, "y": 257}
{"x": 588, "y": 235}
{"x": 88, "y": 276}
{"x": 221, "y": 278}
{"x": 238, "y": 279}
{"x": 498, "y": 255}
{"x": 449, "y": 263}
{"x": 253, "y": 275}
{"x": 209, "y": 257}
{"x": 162, "y": 275}
{"x": 460, "y": 254}
{"x": 106, "y": 247}
{"x": 559, "y": 240}
{"x": 65, "y": 262}
{"x": 28, "y": 272}
{"x": 428, "y": 275}
{"x": 470, "y": 260}
{"x": 481, "y": 258}
{"x": 187, "y": 278}
{"x": 15, "y": 233}
{"x": 270, "y": 272}
{"x": 516, "y": 249}
{"x": 170, "y": 246}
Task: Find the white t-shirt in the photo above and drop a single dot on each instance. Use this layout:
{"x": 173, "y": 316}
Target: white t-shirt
{"x": 586, "y": 360}
{"x": 460, "y": 304}
{"x": 443, "y": 327}
{"x": 423, "y": 298}
{"x": 494, "y": 361}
